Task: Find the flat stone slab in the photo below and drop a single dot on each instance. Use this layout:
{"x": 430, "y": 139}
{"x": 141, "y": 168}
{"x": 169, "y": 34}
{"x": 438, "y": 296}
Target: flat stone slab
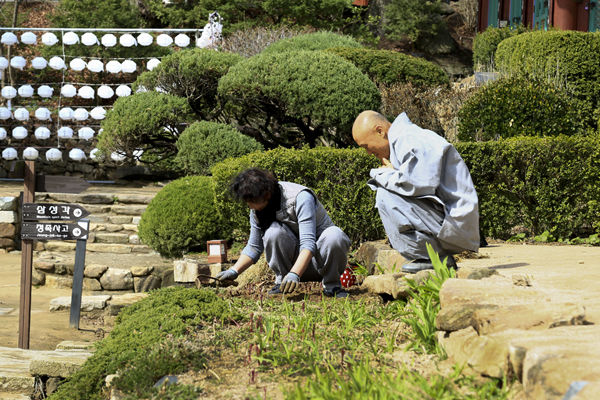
{"x": 88, "y": 303}
{"x": 58, "y": 363}
{"x": 123, "y": 300}
{"x": 68, "y": 345}
{"x": 14, "y": 371}
{"x": 14, "y": 396}
{"x": 6, "y": 310}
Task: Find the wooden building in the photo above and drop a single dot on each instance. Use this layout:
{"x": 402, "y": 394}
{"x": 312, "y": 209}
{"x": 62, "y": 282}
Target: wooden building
{"x": 580, "y": 15}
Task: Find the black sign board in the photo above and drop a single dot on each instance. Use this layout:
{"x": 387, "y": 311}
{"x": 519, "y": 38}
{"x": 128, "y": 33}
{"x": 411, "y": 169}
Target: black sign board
{"x": 60, "y": 184}
{"x": 52, "y": 231}
{"x": 54, "y": 212}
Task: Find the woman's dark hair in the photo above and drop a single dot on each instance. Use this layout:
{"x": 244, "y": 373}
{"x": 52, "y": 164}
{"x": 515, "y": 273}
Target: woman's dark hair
{"x": 253, "y": 184}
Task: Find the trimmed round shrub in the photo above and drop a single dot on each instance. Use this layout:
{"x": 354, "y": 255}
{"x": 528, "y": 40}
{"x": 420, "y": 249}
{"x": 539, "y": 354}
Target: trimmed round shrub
{"x": 205, "y": 143}
{"x": 297, "y": 98}
{"x": 338, "y": 177}
{"x": 390, "y": 67}
{"x": 486, "y": 43}
{"x": 517, "y": 106}
{"x": 569, "y": 57}
{"x": 192, "y": 74}
{"x": 312, "y": 41}
{"x": 148, "y": 121}
{"x": 181, "y": 217}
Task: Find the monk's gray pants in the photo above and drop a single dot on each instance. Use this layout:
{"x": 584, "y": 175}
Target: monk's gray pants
{"x": 410, "y": 222}
{"x": 282, "y": 249}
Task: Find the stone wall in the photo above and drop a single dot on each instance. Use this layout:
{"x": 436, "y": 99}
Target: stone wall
{"x": 9, "y": 225}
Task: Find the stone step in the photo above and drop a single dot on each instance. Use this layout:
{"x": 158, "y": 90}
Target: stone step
{"x": 110, "y": 227}
{"x": 95, "y": 198}
{"x": 13, "y": 396}
{"x": 117, "y": 248}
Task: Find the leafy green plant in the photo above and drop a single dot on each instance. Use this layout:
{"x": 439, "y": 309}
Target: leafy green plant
{"x": 312, "y": 41}
{"x": 415, "y": 20}
{"x": 544, "y": 237}
{"x": 390, "y": 67}
{"x": 297, "y": 98}
{"x": 181, "y": 217}
{"x": 519, "y": 237}
{"x": 203, "y": 144}
{"x": 486, "y": 43}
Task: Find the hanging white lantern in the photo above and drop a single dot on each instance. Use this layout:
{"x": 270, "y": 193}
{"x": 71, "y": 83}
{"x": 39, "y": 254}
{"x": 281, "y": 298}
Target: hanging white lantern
{"x": 3, "y": 63}
{"x": 182, "y": 40}
{"x": 39, "y": 63}
{"x": 86, "y": 92}
{"x": 19, "y": 133}
{"x": 25, "y": 91}
{"x": 42, "y": 114}
{"x": 152, "y": 63}
{"x": 137, "y": 153}
{"x": 30, "y": 153}
{"x": 70, "y": 38}
{"x": 80, "y": 114}
{"x": 144, "y": 39}
{"x": 123, "y": 91}
{"x": 8, "y": 38}
{"x": 105, "y": 92}
{"x": 42, "y": 133}
{"x": 100, "y": 131}
{"x": 5, "y": 113}
{"x": 66, "y": 114}
{"x": 57, "y": 63}
{"x": 94, "y": 154}
{"x": 28, "y": 38}
{"x": 21, "y": 114}
{"x": 127, "y": 40}
{"x": 2, "y": 133}
{"x": 113, "y": 66}
{"x": 68, "y": 91}
{"x": 54, "y": 155}
{"x": 164, "y": 40}
{"x": 77, "y": 64}
{"x": 9, "y": 92}
{"x": 89, "y": 39}
{"x": 18, "y": 62}
{"x": 141, "y": 89}
{"x": 128, "y": 66}
{"x": 95, "y": 66}
{"x": 9, "y": 154}
{"x": 49, "y": 39}
{"x": 45, "y": 91}
{"x": 98, "y": 113}
{"x": 65, "y": 133}
{"x": 85, "y": 133}
{"x": 76, "y": 155}
{"x": 108, "y": 40}
{"x": 118, "y": 157}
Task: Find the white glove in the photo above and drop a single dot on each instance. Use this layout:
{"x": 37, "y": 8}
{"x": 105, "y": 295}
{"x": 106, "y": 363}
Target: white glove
{"x": 289, "y": 283}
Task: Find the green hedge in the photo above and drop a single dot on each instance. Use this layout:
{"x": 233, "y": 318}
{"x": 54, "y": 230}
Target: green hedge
{"x": 181, "y": 217}
{"x": 567, "y": 56}
{"x": 338, "y": 177}
{"x": 517, "y": 106}
{"x": 204, "y": 143}
{"x": 537, "y": 183}
{"x": 390, "y": 67}
{"x": 311, "y": 42}
{"x": 486, "y": 43}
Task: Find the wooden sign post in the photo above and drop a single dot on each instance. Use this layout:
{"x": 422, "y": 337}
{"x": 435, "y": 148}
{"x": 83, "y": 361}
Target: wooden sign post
{"x": 26, "y": 262}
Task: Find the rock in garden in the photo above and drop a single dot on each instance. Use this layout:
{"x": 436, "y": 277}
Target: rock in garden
{"x": 88, "y": 303}
{"x": 91, "y": 285}
{"x": 7, "y": 230}
{"x": 388, "y": 284}
{"x": 123, "y": 300}
{"x": 141, "y": 271}
{"x": 117, "y": 279}
{"x": 145, "y": 283}
{"x": 94, "y": 270}
{"x": 8, "y": 203}
{"x": 38, "y": 278}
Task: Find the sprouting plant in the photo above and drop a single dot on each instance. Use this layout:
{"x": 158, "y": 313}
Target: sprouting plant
{"x": 517, "y": 238}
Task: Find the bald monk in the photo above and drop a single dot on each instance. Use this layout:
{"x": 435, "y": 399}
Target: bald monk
{"x": 425, "y": 193}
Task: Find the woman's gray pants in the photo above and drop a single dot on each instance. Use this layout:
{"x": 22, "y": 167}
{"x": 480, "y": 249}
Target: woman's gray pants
{"x": 282, "y": 249}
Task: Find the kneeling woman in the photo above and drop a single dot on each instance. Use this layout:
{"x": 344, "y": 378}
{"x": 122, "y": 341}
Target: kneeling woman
{"x": 292, "y": 227}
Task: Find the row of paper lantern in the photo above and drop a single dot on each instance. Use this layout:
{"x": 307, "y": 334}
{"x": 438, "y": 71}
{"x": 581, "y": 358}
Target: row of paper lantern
{"x": 90, "y": 39}
{"x": 54, "y": 154}
{"x": 44, "y": 114}
{"x": 68, "y": 90}
{"x": 77, "y": 64}
{"x": 43, "y": 133}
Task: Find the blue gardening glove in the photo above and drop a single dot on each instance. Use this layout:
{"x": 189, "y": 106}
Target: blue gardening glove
{"x": 227, "y": 275}
{"x": 289, "y": 283}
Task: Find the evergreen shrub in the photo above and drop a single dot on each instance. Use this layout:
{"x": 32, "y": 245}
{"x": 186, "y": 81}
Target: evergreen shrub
{"x": 536, "y": 184}
{"x": 570, "y": 57}
{"x": 205, "y": 143}
{"x": 192, "y": 74}
{"x": 149, "y": 121}
{"x": 181, "y": 217}
{"x": 312, "y": 41}
{"x": 390, "y": 67}
{"x": 486, "y": 43}
{"x": 297, "y": 98}
{"x": 338, "y": 177}
{"x": 517, "y": 106}
{"x": 416, "y": 20}
{"x": 159, "y": 321}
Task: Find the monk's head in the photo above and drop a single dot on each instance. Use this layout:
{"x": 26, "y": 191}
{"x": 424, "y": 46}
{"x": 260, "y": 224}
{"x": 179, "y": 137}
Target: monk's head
{"x": 370, "y": 132}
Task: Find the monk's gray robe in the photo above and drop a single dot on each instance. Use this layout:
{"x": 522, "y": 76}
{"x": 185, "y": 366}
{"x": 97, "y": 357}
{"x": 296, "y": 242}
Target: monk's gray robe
{"x": 428, "y": 196}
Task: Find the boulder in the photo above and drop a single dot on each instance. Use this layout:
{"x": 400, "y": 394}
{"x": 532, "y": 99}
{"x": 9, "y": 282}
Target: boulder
{"x": 8, "y": 203}
{"x": 475, "y": 273}
{"x": 88, "y": 303}
{"x": 8, "y": 217}
{"x": 145, "y": 283}
{"x": 38, "y": 278}
{"x": 387, "y": 284}
{"x": 187, "y": 270}
{"x": 371, "y": 253}
{"x": 59, "y": 282}
{"x": 141, "y": 270}
{"x": 7, "y": 230}
{"x": 44, "y": 265}
{"x": 91, "y": 285}
{"x": 94, "y": 270}
{"x": 117, "y": 279}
